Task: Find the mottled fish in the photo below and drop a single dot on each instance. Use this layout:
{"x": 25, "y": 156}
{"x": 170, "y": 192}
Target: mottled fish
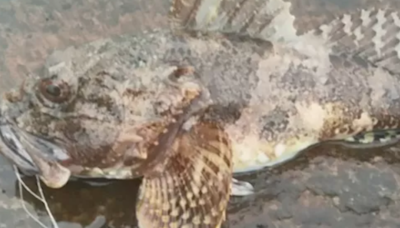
{"x": 230, "y": 88}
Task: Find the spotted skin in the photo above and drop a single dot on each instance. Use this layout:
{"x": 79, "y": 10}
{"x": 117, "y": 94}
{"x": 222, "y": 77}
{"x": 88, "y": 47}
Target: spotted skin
{"x": 230, "y": 88}
{"x": 350, "y": 58}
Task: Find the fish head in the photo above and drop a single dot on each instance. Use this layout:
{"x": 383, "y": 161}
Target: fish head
{"x": 97, "y": 122}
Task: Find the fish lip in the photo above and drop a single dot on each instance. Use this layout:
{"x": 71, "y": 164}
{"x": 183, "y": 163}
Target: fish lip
{"x": 34, "y": 155}
{"x": 12, "y": 149}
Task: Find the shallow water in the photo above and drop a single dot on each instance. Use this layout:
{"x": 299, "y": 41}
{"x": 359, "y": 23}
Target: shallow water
{"x": 326, "y": 187}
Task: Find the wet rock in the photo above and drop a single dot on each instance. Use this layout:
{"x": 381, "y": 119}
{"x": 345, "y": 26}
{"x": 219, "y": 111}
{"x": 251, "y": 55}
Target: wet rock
{"x": 322, "y": 191}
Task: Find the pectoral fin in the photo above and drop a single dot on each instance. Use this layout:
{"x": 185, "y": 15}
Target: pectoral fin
{"x": 192, "y": 189}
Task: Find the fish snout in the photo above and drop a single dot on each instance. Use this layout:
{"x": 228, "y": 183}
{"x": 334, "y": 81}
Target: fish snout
{"x": 33, "y": 155}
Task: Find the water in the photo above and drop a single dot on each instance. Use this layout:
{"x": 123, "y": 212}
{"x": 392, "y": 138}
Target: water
{"x": 327, "y": 187}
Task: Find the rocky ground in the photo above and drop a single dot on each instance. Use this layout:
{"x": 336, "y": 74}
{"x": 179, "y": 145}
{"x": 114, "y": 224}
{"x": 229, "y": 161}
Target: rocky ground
{"x": 325, "y": 188}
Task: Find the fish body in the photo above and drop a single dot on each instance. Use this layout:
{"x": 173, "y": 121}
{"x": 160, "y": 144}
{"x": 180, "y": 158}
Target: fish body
{"x": 217, "y": 95}
{"x": 272, "y": 101}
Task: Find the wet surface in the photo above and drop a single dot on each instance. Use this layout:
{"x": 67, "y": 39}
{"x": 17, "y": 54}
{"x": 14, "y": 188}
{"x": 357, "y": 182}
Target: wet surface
{"x": 342, "y": 188}
{"x": 326, "y": 187}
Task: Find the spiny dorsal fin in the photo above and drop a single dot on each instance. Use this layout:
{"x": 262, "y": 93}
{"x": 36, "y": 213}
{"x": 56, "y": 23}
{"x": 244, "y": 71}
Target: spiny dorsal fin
{"x": 371, "y": 34}
{"x": 192, "y": 189}
{"x": 267, "y": 19}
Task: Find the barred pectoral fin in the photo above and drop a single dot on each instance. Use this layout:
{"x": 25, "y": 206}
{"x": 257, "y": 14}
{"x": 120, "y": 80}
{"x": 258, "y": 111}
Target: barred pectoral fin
{"x": 268, "y": 19}
{"x": 192, "y": 189}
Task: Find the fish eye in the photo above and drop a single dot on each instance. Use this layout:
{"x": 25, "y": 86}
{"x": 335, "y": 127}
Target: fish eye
{"x": 55, "y": 92}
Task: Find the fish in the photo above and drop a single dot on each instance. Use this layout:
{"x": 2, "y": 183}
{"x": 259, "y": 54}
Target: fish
{"x": 229, "y": 88}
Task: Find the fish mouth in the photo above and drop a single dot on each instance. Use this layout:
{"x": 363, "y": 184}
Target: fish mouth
{"x": 34, "y": 155}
